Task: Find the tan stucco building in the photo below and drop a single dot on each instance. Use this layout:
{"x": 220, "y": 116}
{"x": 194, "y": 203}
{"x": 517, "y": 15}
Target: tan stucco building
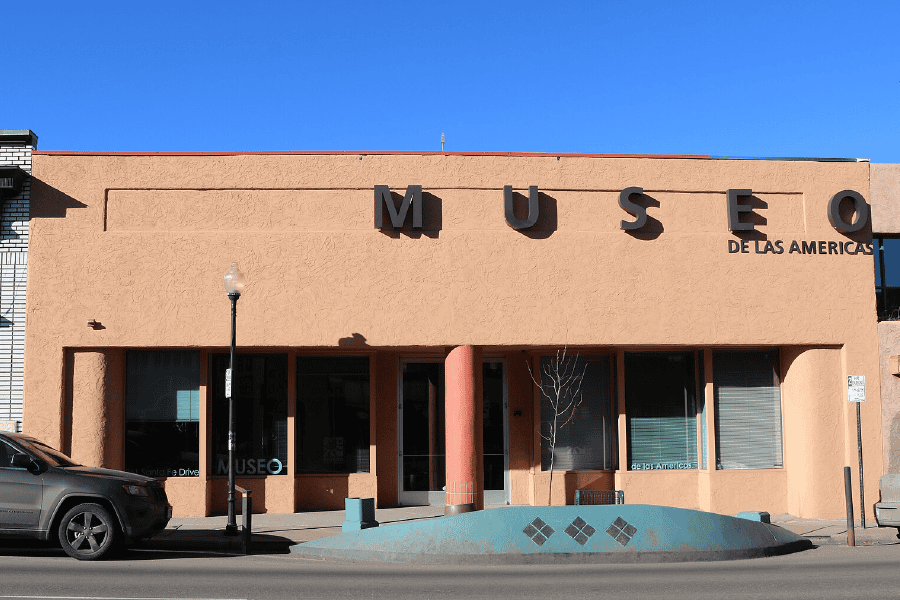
{"x": 716, "y": 309}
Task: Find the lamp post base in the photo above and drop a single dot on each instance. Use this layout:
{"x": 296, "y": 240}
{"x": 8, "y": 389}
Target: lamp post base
{"x": 231, "y": 530}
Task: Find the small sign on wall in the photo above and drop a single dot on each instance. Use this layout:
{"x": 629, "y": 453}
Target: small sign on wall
{"x": 856, "y": 388}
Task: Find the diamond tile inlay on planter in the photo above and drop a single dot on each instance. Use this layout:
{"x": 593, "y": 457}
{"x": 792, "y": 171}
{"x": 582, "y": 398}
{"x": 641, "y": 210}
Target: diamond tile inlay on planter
{"x": 580, "y": 531}
{"x": 538, "y": 531}
{"x": 621, "y": 531}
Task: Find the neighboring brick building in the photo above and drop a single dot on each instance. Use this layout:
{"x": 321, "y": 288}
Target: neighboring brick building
{"x": 15, "y": 169}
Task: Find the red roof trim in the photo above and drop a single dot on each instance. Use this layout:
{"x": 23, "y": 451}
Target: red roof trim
{"x": 368, "y": 153}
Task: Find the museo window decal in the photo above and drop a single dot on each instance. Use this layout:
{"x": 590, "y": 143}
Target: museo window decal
{"x": 661, "y": 412}
{"x": 162, "y": 413}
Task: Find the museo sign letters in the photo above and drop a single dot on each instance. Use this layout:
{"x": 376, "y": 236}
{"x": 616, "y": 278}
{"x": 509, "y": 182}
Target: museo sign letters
{"x": 841, "y": 207}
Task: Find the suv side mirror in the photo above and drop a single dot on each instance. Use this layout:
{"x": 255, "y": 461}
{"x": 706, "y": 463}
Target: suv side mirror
{"x": 23, "y": 461}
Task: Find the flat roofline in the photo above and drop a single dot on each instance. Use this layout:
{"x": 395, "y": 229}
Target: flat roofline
{"x": 370, "y": 153}
{"x": 442, "y": 153}
{"x": 791, "y": 158}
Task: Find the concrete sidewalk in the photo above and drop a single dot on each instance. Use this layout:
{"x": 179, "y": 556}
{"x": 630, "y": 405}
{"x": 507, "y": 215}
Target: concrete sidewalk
{"x": 276, "y": 533}
{"x": 834, "y": 531}
{"x": 272, "y": 533}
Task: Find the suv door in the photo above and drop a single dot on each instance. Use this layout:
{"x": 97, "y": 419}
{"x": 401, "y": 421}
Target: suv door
{"x": 21, "y": 492}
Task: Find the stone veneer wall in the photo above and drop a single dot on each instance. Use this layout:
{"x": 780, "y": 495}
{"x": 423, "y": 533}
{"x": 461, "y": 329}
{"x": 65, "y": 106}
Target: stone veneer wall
{"x": 14, "y": 150}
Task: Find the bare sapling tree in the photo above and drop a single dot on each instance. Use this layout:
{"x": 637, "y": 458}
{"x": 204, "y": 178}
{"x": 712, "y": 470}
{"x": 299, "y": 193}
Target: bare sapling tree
{"x": 560, "y": 387}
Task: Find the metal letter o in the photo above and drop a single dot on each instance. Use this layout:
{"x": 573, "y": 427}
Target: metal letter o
{"x": 859, "y": 203}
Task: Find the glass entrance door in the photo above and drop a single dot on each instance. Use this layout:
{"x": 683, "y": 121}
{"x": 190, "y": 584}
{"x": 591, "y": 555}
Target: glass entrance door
{"x": 422, "y": 434}
{"x": 496, "y": 446}
{"x": 422, "y": 448}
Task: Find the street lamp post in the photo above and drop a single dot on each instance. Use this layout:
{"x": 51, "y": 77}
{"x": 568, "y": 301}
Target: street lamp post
{"x": 234, "y": 283}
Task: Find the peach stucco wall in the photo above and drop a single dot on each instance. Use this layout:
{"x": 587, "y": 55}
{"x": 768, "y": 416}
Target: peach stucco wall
{"x": 141, "y": 244}
{"x": 889, "y": 342}
{"x": 885, "y": 190}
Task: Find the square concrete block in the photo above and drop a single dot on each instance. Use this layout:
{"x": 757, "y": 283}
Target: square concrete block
{"x": 359, "y": 513}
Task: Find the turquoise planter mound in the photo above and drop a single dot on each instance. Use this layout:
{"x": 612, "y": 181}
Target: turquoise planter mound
{"x": 570, "y": 534}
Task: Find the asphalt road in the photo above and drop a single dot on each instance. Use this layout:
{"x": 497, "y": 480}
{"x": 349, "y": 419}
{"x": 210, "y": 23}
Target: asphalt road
{"x": 822, "y": 573}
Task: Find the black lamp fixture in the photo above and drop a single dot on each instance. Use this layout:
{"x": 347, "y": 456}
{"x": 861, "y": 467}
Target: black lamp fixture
{"x": 234, "y": 284}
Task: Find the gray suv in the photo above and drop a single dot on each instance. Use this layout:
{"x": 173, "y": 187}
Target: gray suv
{"x": 91, "y": 511}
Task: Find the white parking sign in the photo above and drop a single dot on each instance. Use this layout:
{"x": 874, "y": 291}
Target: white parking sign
{"x": 856, "y": 388}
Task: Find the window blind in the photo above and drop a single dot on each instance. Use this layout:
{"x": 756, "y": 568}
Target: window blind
{"x": 585, "y": 443}
{"x": 748, "y": 410}
{"x": 661, "y": 410}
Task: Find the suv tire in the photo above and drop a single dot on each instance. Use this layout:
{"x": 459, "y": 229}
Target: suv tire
{"x": 87, "y": 532}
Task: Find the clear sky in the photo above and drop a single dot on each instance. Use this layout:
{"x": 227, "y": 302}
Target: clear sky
{"x": 724, "y": 77}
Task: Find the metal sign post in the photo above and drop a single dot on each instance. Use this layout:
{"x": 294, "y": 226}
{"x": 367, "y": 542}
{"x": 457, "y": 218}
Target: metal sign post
{"x": 856, "y": 393}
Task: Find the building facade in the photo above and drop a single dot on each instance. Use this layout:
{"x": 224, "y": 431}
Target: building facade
{"x": 404, "y": 312}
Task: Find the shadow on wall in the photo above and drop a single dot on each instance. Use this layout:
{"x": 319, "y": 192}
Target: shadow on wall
{"x": 565, "y": 483}
{"x": 7, "y": 232}
{"x": 47, "y": 202}
{"x": 257, "y": 486}
{"x": 847, "y": 211}
{"x": 755, "y": 203}
{"x": 432, "y": 217}
{"x": 546, "y": 223}
{"x": 355, "y": 339}
{"x": 65, "y": 445}
{"x": 653, "y": 228}
{"x": 325, "y": 492}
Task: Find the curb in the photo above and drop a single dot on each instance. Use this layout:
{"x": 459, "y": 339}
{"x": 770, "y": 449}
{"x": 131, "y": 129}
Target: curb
{"x": 231, "y": 545}
{"x": 869, "y": 538}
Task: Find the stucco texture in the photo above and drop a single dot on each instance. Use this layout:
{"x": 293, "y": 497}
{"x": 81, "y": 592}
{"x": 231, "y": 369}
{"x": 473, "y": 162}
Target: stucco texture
{"x": 885, "y": 186}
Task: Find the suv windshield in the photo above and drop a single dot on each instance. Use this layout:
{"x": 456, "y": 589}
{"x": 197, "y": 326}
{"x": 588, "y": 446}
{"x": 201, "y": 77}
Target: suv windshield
{"x": 54, "y": 457}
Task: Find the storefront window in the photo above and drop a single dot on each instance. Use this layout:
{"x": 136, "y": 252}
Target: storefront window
{"x": 585, "y": 443}
{"x": 748, "y": 410}
{"x": 661, "y": 410}
{"x": 162, "y": 413}
{"x": 887, "y": 278}
{"x": 259, "y": 388}
{"x": 701, "y": 409}
{"x": 333, "y": 414}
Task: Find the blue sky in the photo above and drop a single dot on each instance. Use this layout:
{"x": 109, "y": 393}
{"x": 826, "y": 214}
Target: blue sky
{"x": 722, "y": 78}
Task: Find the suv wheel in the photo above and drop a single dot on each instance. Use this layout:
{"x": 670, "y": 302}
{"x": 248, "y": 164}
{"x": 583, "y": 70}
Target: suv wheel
{"x": 87, "y": 532}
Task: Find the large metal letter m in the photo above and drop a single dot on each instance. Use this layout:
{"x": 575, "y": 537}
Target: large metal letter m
{"x": 384, "y": 199}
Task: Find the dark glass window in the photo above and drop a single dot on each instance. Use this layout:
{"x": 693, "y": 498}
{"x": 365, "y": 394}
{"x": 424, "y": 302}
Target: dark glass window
{"x": 259, "y": 388}
{"x": 661, "y": 411}
{"x": 162, "y": 413}
{"x": 333, "y": 414}
{"x": 887, "y": 278}
{"x": 585, "y": 442}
